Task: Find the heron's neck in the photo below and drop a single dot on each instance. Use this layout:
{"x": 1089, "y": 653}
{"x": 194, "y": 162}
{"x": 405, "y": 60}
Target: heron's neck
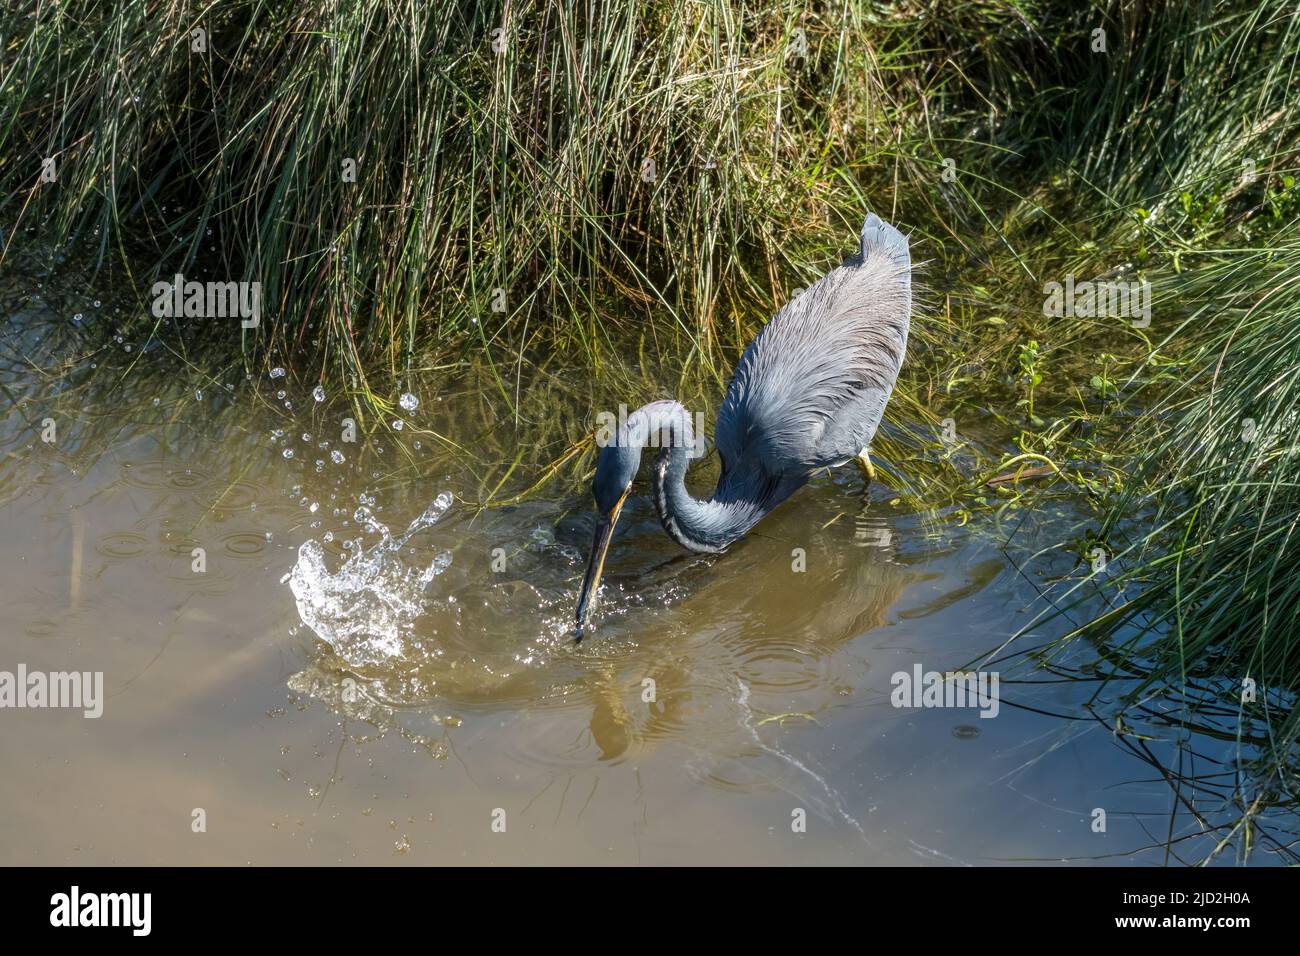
{"x": 694, "y": 524}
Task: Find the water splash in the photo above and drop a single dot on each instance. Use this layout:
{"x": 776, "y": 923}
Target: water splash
{"x": 367, "y": 610}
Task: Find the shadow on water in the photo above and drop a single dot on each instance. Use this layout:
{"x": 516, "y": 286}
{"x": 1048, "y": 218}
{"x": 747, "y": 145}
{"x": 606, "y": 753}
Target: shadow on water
{"x": 275, "y": 607}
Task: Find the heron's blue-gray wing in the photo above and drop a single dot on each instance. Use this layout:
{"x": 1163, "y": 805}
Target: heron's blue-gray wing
{"x": 811, "y": 388}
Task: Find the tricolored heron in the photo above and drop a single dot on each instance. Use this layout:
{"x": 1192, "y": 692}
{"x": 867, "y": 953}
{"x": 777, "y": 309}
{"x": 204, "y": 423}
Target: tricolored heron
{"x": 808, "y": 394}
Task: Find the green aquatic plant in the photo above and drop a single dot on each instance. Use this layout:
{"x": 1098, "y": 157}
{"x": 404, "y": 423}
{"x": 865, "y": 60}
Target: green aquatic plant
{"x": 1031, "y": 377}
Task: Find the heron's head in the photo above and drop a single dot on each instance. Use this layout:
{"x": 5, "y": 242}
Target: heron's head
{"x": 616, "y": 466}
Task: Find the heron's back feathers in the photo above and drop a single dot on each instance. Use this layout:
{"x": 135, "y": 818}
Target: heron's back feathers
{"x": 811, "y": 388}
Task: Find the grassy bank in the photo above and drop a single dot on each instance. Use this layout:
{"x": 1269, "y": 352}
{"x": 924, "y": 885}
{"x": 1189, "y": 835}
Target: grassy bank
{"x": 681, "y": 164}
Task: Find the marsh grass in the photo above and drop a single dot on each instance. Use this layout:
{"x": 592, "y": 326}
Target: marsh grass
{"x": 525, "y": 170}
{"x": 1201, "y": 603}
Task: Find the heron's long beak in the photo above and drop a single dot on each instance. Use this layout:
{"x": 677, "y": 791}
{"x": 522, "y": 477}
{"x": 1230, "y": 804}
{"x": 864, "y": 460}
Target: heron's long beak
{"x": 599, "y": 547}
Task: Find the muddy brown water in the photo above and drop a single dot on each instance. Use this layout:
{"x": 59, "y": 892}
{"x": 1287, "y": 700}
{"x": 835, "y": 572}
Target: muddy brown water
{"x": 424, "y": 703}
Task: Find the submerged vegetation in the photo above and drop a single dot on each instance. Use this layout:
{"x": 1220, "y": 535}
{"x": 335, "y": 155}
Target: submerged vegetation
{"x": 550, "y": 184}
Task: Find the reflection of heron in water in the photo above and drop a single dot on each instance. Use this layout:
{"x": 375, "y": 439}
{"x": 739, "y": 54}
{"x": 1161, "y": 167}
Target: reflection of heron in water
{"x": 808, "y": 393}
{"x": 729, "y": 629}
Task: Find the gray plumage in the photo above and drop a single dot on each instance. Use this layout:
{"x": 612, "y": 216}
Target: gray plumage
{"x": 808, "y": 393}
{"x": 810, "y": 390}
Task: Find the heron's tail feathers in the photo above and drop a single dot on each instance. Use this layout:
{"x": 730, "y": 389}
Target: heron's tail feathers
{"x": 879, "y": 238}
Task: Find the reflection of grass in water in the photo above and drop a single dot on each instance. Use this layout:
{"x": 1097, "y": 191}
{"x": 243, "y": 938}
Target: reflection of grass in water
{"x": 1202, "y": 592}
